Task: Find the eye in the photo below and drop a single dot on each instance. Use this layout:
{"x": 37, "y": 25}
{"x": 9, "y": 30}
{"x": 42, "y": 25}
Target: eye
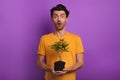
{"x": 55, "y": 16}
{"x": 62, "y": 16}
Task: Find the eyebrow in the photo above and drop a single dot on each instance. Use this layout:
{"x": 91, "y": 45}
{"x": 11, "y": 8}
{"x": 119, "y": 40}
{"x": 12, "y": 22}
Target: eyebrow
{"x": 55, "y": 14}
{"x": 60, "y": 14}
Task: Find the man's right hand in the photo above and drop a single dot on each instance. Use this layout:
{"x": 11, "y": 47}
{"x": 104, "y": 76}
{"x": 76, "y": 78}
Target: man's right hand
{"x": 58, "y": 72}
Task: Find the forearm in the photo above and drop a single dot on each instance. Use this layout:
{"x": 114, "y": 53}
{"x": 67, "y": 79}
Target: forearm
{"x": 43, "y": 66}
{"x": 79, "y": 63}
{"x": 76, "y": 66}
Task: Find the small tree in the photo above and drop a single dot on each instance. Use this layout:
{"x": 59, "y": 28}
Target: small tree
{"x": 60, "y": 47}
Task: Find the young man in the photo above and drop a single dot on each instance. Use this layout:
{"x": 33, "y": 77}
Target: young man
{"x": 74, "y": 58}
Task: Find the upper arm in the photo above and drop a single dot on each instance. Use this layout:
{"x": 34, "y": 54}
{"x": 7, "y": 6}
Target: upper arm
{"x": 41, "y": 47}
{"x": 79, "y": 45}
{"x": 41, "y": 57}
{"x": 80, "y": 58}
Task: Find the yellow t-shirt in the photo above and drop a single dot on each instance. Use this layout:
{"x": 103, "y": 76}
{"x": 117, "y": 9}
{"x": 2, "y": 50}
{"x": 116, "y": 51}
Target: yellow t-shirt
{"x": 75, "y": 46}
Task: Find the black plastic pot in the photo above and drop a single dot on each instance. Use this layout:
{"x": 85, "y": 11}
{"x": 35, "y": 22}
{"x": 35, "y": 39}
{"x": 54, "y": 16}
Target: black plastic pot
{"x": 59, "y": 65}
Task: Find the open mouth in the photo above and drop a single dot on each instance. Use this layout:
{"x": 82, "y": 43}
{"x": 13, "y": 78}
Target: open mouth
{"x": 59, "y": 23}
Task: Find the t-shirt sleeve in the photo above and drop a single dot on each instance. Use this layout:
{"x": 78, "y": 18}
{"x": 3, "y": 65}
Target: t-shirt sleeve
{"x": 41, "y": 47}
{"x": 79, "y": 45}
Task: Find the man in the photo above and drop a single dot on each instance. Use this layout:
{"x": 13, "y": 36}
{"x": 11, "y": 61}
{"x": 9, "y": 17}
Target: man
{"x": 74, "y": 58}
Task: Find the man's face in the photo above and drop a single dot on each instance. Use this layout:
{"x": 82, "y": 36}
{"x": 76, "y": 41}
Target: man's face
{"x": 59, "y": 19}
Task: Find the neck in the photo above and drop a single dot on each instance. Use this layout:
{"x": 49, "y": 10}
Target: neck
{"x": 60, "y": 33}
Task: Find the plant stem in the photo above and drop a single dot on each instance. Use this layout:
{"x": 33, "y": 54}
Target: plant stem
{"x": 60, "y": 57}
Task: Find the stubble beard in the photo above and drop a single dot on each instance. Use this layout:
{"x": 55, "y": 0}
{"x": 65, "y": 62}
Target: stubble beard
{"x": 59, "y": 27}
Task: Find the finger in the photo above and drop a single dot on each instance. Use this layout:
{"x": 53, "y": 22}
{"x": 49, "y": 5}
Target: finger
{"x": 58, "y": 71}
{"x": 65, "y": 69}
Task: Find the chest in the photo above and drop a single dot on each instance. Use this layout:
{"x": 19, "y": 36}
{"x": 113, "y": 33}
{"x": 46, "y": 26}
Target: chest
{"x": 70, "y": 41}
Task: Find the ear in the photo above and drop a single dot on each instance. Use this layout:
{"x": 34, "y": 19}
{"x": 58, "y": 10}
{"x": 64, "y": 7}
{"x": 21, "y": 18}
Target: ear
{"x": 67, "y": 19}
{"x": 52, "y": 19}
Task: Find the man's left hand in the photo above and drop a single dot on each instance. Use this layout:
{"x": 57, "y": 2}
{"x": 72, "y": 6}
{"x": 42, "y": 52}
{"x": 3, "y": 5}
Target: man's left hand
{"x": 60, "y": 72}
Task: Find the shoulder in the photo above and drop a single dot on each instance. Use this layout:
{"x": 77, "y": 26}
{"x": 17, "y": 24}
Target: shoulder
{"x": 45, "y": 36}
{"x": 73, "y": 35}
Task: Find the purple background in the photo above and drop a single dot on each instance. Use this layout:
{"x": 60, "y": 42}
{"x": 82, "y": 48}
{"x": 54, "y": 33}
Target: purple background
{"x": 22, "y": 22}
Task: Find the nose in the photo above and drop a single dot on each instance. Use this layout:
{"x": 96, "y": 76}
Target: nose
{"x": 59, "y": 19}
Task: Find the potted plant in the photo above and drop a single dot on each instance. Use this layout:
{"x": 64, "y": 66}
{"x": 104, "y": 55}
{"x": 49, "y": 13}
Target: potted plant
{"x": 60, "y": 47}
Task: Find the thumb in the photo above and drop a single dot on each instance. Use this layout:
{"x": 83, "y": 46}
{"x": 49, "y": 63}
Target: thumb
{"x": 65, "y": 69}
